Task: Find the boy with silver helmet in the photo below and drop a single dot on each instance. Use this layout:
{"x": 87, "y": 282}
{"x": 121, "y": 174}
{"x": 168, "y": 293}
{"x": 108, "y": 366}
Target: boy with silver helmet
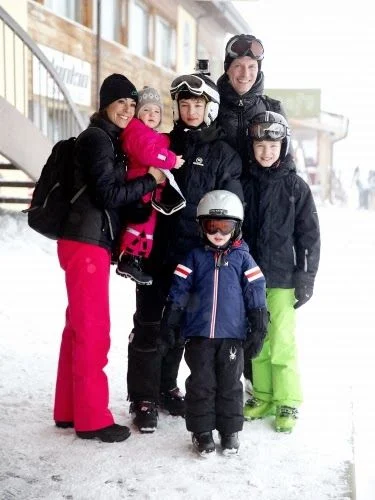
{"x": 281, "y": 228}
{"x": 198, "y": 87}
{"x": 210, "y": 164}
{"x": 216, "y": 303}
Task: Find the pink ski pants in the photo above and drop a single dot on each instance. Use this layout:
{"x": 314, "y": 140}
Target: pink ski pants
{"x": 82, "y": 392}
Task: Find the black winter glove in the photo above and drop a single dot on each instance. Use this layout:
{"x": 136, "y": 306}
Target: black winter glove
{"x": 170, "y": 335}
{"x": 138, "y": 212}
{"x": 257, "y": 331}
{"x": 302, "y": 293}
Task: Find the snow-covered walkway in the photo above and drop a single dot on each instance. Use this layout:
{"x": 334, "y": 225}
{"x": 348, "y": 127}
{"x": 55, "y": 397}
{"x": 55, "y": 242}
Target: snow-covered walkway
{"x": 336, "y": 337}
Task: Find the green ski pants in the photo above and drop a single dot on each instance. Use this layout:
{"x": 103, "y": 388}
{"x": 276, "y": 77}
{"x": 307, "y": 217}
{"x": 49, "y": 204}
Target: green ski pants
{"x": 275, "y": 370}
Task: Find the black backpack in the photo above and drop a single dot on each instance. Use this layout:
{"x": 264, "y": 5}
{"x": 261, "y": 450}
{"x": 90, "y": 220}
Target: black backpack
{"x": 53, "y": 192}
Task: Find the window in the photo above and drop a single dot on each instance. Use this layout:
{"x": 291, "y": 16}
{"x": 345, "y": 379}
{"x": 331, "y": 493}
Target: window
{"x": 112, "y": 19}
{"x": 139, "y": 29}
{"x": 165, "y": 44}
{"x": 72, "y": 9}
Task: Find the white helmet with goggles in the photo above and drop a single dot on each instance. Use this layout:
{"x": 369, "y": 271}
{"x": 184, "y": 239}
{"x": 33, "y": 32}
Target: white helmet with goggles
{"x": 222, "y": 211}
{"x": 271, "y": 126}
{"x": 196, "y": 85}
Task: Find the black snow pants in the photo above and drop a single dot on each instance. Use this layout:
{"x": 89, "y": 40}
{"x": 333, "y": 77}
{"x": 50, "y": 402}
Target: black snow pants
{"x": 214, "y": 397}
{"x": 149, "y": 373}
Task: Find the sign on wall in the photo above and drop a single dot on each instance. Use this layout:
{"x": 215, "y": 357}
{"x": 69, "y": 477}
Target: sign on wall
{"x": 75, "y": 73}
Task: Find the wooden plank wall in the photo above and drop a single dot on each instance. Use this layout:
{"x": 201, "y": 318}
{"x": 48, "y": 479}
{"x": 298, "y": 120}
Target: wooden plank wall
{"x": 75, "y": 39}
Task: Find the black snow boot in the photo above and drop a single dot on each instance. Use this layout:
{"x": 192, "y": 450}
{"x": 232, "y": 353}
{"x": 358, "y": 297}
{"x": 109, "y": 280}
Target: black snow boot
{"x": 145, "y": 415}
{"x": 203, "y": 443}
{"x": 173, "y": 401}
{"x": 64, "y": 424}
{"x": 230, "y": 443}
{"x": 112, "y": 434}
{"x": 130, "y": 266}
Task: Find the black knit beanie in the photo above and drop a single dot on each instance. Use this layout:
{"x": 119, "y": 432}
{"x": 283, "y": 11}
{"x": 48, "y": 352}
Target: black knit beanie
{"x": 115, "y": 87}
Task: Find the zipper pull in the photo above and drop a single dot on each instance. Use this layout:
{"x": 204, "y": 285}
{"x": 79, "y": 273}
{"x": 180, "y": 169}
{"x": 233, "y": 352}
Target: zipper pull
{"x": 217, "y": 260}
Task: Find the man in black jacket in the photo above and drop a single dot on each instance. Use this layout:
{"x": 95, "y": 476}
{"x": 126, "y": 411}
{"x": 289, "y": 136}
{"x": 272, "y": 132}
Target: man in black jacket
{"x": 241, "y": 90}
{"x": 210, "y": 163}
{"x": 241, "y": 98}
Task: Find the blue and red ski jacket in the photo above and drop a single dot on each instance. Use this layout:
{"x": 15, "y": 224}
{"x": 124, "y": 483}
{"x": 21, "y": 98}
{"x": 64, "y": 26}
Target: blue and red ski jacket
{"x": 216, "y": 289}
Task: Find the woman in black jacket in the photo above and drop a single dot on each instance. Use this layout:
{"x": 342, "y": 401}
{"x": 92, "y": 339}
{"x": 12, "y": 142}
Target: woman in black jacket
{"x": 84, "y": 251}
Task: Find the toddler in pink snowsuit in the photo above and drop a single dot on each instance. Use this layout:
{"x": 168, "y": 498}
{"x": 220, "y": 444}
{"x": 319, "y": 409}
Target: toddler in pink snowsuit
{"x": 144, "y": 147}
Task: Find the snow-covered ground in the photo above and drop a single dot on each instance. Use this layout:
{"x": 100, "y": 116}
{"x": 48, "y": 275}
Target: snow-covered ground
{"x": 315, "y": 462}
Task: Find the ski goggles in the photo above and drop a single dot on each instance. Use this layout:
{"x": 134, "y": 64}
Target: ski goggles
{"x": 195, "y": 85}
{"x": 270, "y": 131}
{"x": 223, "y": 226}
{"x": 243, "y": 45}
{"x": 177, "y": 199}
{"x": 167, "y": 208}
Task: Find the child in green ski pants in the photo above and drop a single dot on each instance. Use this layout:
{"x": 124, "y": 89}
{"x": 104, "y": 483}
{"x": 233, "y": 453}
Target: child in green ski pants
{"x": 281, "y": 228}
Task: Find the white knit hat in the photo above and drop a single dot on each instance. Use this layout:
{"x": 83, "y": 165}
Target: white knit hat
{"x": 148, "y": 95}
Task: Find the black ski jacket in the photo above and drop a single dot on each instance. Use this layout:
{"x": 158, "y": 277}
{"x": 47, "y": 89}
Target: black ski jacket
{"x": 210, "y": 163}
{"x": 281, "y": 224}
{"x": 96, "y": 217}
{"x": 236, "y": 112}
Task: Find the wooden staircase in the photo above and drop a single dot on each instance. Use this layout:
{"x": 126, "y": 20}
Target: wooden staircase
{"x": 15, "y": 187}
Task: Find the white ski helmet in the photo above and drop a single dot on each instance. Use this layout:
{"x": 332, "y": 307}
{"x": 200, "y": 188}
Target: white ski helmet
{"x": 221, "y": 204}
{"x": 196, "y": 85}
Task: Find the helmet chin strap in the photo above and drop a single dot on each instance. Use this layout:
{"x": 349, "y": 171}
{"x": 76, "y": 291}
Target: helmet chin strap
{"x": 188, "y": 128}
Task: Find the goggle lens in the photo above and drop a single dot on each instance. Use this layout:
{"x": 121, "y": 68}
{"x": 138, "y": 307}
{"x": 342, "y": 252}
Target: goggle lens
{"x": 195, "y": 85}
{"x": 271, "y": 131}
{"x": 223, "y": 226}
{"x": 242, "y": 46}
{"x": 191, "y": 82}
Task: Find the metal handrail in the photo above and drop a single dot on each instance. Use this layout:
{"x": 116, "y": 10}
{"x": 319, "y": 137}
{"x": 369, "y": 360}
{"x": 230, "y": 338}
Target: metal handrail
{"x": 66, "y": 119}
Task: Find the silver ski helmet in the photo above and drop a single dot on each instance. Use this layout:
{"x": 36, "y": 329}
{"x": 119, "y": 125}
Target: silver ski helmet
{"x": 221, "y": 204}
{"x": 196, "y": 85}
{"x": 270, "y": 126}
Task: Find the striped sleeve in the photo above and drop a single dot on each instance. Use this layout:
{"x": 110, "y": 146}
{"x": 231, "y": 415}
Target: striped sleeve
{"x": 253, "y": 274}
{"x": 182, "y": 271}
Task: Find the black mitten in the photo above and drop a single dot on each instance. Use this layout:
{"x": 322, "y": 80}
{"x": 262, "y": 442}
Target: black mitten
{"x": 302, "y": 293}
{"x": 257, "y": 331}
{"x": 138, "y": 212}
{"x": 170, "y": 328}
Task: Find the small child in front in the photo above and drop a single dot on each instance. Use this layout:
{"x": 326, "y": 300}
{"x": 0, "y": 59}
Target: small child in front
{"x": 217, "y": 302}
{"x": 144, "y": 147}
